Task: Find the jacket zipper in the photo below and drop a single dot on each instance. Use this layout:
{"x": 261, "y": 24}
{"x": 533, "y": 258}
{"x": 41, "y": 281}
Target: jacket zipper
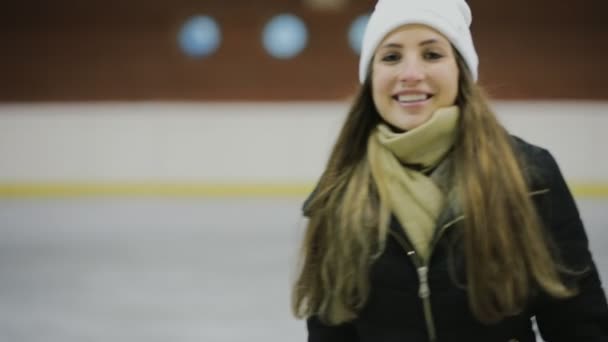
{"x": 422, "y": 267}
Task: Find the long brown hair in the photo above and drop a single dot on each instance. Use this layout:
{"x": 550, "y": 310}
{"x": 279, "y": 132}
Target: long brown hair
{"x": 347, "y": 224}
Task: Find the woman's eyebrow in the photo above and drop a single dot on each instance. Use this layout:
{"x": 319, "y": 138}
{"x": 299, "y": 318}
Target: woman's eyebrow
{"x": 397, "y": 45}
{"x": 429, "y": 41}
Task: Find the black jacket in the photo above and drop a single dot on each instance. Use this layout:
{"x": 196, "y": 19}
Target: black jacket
{"x": 395, "y": 311}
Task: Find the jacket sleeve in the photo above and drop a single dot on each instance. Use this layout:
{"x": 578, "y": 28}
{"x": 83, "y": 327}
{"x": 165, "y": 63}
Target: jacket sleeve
{"x": 583, "y": 317}
{"x": 319, "y": 332}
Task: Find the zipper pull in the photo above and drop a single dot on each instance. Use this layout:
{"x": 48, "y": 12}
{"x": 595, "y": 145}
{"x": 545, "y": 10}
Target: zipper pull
{"x": 424, "y": 291}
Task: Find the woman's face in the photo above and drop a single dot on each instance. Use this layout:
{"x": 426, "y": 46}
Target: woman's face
{"x": 414, "y": 73}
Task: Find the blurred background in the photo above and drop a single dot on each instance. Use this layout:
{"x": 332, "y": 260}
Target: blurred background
{"x": 154, "y": 155}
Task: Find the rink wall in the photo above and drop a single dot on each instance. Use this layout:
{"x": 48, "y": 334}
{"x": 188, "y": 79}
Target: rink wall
{"x": 240, "y": 149}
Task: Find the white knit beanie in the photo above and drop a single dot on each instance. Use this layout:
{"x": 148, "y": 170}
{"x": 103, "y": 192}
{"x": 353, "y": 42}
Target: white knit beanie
{"x": 452, "y": 18}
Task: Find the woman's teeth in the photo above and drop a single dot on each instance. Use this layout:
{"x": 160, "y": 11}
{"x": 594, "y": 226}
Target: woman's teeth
{"x": 412, "y": 98}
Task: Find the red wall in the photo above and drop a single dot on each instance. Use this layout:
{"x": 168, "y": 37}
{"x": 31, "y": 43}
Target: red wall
{"x": 127, "y": 50}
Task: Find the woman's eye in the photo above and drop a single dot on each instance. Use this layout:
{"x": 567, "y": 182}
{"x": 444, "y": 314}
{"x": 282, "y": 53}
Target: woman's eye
{"x": 432, "y": 55}
{"x": 391, "y": 57}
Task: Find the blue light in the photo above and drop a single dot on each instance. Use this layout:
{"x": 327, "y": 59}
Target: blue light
{"x": 200, "y": 36}
{"x": 355, "y": 34}
{"x": 285, "y": 36}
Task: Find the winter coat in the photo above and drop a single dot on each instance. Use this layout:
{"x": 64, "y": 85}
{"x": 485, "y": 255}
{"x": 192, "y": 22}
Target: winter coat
{"x": 412, "y": 302}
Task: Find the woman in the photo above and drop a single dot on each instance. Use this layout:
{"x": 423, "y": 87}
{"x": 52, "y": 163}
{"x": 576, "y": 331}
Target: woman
{"x": 431, "y": 222}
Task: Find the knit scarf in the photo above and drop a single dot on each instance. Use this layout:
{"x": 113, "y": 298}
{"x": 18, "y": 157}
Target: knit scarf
{"x": 400, "y": 163}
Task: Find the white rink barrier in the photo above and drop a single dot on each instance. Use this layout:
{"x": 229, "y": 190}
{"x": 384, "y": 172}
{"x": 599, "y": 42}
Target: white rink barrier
{"x": 236, "y": 149}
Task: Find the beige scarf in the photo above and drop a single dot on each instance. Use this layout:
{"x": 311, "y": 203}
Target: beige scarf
{"x": 399, "y": 163}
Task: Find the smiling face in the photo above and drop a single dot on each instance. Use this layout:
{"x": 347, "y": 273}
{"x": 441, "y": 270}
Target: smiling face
{"x": 414, "y": 73}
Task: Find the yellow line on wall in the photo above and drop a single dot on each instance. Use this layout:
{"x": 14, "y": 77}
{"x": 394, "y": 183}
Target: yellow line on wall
{"x": 152, "y": 190}
{"x": 589, "y": 190}
{"x": 227, "y": 190}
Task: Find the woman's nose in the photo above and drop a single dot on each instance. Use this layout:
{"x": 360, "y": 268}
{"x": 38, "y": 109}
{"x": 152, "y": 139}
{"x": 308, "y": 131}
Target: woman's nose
{"x": 410, "y": 71}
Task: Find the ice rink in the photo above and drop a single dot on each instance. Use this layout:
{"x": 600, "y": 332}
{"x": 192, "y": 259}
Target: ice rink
{"x": 179, "y": 270}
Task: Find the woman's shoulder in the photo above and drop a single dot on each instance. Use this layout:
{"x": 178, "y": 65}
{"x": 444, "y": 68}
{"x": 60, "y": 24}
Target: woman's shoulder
{"x": 537, "y": 162}
{"x": 527, "y": 149}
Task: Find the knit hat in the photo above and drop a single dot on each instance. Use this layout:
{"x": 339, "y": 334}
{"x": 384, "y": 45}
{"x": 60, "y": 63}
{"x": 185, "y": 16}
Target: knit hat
{"x": 451, "y": 18}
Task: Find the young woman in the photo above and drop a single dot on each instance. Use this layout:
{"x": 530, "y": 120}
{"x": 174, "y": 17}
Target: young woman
{"x": 431, "y": 222}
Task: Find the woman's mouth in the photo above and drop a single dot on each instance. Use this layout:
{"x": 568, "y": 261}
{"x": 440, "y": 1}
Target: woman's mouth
{"x": 412, "y": 99}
